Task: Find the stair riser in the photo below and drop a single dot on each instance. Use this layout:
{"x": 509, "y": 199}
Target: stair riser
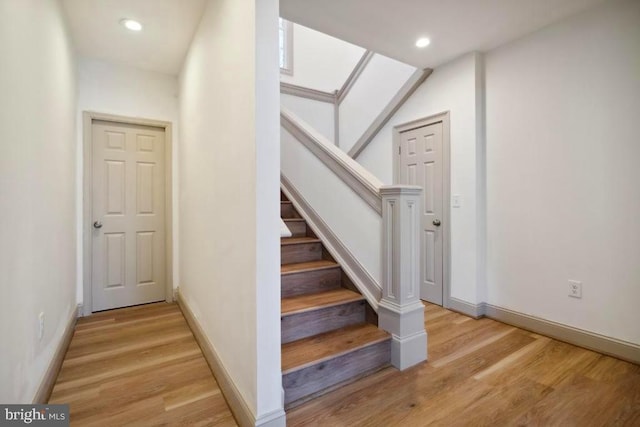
{"x": 286, "y": 210}
{"x": 313, "y": 380}
{"x": 297, "y": 228}
{"x": 309, "y": 323}
{"x": 309, "y": 282}
{"x": 302, "y": 252}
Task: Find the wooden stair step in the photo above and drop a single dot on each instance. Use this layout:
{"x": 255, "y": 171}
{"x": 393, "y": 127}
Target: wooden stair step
{"x": 326, "y": 340}
{"x": 300, "y": 249}
{"x": 299, "y": 240}
{"x": 302, "y": 267}
{"x": 303, "y": 303}
{"x": 287, "y": 210}
{"x": 311, "y": 314}
{"x": 303, "y": 353}
{"x": 316, "y": 365}
{"x": 309, "y": 277}
{"x": 297, "y": 226}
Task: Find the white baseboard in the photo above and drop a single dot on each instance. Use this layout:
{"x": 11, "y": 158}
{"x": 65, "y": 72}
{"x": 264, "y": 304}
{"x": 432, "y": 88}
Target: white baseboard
{"x": 275, "y": 418}
{"x": 472, "y": 310}
{"x": 408, "y": 351}
{"x": 241, "y": 411}
{"x": 592, "y": 341}
{"x": 50, "y": 376}
{"x": 602, "y": 344}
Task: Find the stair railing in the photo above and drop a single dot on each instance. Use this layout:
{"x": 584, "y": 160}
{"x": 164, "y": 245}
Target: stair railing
{"x": 392, "y": 290}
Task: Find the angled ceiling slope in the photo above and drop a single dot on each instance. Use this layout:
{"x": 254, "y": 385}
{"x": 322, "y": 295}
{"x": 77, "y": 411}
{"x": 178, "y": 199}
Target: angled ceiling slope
{"x": 455, "y": 27}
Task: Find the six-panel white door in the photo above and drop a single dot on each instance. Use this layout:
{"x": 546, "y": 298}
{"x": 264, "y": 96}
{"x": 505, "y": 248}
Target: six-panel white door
{"x": 128, "y": 233}
{"x": 421, "y": 160}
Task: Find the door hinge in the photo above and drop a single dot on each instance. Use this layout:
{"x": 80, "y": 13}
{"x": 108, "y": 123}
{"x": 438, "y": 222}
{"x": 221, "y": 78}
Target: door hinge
{"x": 399, "y": 149}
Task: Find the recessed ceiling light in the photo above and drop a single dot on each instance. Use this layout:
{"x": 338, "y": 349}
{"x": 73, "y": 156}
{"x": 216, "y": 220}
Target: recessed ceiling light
{"x": 423, "y": 42}
{"x": 131, "y": 24}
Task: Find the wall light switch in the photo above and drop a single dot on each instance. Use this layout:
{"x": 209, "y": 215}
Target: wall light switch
{"x": 41, "y": 325}
{"x": 456, "y": 200}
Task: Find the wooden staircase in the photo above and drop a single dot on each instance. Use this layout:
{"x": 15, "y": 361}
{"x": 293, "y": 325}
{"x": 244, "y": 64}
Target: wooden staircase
{"x": 329, "y": 332}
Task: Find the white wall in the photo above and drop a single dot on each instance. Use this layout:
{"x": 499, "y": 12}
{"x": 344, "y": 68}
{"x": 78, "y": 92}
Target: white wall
{"x": 451, "y": 88}
{"x": 122, "y": 90}
{"x": 229, "y": 184}
{"x": 562, "y": 161}
{"x": 379, "y": 82}
{"x": 355, "y": 223}
{"x": 560, "y": 175}
{"x": 37, "y": 190}
{"x": 320, "y": 61}
{"x": 320, "y": 115}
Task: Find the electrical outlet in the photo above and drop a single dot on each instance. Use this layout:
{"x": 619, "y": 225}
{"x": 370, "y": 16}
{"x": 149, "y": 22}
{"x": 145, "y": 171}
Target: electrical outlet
{"x": 41, "y": 325}
{"x": 575, "y": 289}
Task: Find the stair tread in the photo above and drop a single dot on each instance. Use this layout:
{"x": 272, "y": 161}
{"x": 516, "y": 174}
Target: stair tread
{"x": 286, "y": 202}
{"x": 307, "y": 351}
{"x": 293, "y": 219}
{"x": 298, "y": 240}
{"x": 308, "y": 302}
{"x": 300, "y": 267}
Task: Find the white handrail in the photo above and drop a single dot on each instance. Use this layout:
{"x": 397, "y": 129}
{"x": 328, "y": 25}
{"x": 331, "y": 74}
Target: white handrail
{"x": 360, "y": 180}
{"x": 392, "y": 231}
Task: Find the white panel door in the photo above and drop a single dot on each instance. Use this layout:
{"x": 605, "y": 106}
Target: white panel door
{"x": 128, "y": 233}
{"x": 421, "y": 164}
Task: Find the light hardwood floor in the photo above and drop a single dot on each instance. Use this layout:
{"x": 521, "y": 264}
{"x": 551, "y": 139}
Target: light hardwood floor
{"x": 485, "y": 373}
{"x": 138, "y": 366}
{"x": 141, "y": 366}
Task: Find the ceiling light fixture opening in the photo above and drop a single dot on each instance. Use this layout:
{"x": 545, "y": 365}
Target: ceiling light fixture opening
{"x": 131, "y": 24}
{"x": 423, "y": 42}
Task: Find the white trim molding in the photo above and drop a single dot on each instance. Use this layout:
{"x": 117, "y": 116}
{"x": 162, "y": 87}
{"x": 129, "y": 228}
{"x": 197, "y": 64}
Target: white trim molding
{"x": 446, "y": 188}
{"x": 405, "y": 92}
{"x": 360, "y": 277}
{"x": 239, "y": 407}
{"x": 305, "y": 92}
{"x": 363, "y": 183}
{"x": 472, "y": 310}
{"x": 51, "y": 374}
{"x": 401, "y": 312}
{"x": 613, "y": 347}
{"x": 602, "y": 344}
{"x": 87, "y": 120}
{"x": 357, "y": 70}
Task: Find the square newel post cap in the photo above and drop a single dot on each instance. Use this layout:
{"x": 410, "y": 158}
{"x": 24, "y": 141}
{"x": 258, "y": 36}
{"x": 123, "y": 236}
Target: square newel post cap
{"x": 395, "y": 190}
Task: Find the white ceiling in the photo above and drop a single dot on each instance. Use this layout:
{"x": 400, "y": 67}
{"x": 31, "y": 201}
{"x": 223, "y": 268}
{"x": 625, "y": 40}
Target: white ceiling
{"x": 389, "y": 27}
{"x": 455, "y": 27}
{"x": 169, "y": 26}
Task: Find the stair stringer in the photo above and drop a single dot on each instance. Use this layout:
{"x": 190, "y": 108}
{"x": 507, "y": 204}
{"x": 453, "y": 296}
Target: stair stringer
{"x": 359, "y": 276}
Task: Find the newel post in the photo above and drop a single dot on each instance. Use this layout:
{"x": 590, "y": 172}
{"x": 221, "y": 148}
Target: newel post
{"x": 401, "y": 312}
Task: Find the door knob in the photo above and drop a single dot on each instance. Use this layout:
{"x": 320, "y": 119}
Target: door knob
{"x": 436, "y": 222}
{"x": 97, "y": 224}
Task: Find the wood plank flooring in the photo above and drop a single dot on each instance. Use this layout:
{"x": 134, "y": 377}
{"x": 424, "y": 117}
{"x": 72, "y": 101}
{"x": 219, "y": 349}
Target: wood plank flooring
{"x": 138, "y": 366}
{"x": 141, "y": 366}
{"x": 485, "y": 373}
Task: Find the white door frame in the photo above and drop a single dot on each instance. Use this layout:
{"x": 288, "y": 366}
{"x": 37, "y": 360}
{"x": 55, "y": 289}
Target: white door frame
{"x": 88, "y": 117}
{"x": 446, "y": 191}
